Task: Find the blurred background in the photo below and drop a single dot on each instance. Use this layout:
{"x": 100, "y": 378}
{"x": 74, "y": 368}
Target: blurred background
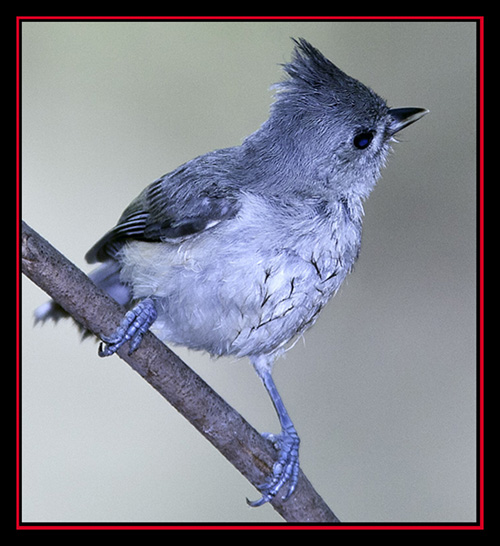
{"x": 383, "y": 388}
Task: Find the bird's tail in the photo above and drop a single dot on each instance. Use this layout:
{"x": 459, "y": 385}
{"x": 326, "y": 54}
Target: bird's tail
{"x": 106, "y": 276}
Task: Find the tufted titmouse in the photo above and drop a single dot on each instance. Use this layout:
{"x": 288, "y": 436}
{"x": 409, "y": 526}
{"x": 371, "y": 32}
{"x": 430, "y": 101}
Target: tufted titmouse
{"x": 238, "y": 250}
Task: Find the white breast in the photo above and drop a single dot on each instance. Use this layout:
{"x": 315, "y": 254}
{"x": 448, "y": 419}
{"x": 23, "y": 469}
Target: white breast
{"x": 248, "y": 285}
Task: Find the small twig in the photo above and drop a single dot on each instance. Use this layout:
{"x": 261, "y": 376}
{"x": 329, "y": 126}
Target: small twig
{"x": 223, "y": 426}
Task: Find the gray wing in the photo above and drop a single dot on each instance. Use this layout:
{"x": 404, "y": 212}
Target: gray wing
{"x": 185, "y": 202}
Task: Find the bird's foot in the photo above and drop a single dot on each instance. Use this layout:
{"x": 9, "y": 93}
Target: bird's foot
{"x": 285, "y": 469}
{"x": 132, "y": 328}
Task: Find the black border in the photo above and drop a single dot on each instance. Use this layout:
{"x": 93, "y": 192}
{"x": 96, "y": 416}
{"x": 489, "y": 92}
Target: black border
{"x": 479, "y": 523}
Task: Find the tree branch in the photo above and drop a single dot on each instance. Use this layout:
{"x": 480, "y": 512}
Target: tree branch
{"x": 224, "y": 427}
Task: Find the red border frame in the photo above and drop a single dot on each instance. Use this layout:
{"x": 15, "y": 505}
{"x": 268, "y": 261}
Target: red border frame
{"x": 473, "y": 526}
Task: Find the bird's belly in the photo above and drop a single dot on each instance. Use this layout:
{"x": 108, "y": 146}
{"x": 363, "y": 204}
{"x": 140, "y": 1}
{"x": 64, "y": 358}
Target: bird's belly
{"x": 230, "y": 303}
{"x": 244, "y": 287}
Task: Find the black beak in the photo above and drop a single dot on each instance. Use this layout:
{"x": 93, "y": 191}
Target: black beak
{"x": 402, "y": 117}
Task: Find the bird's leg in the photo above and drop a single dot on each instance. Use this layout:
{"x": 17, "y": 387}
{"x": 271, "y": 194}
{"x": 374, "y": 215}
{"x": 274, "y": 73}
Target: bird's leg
{"x": 286, "y": 468}
{"x": 134, "y": 325}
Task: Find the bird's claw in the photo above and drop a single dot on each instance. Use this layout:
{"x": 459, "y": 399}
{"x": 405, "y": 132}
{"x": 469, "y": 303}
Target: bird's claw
{"x": 132, "y": 328}
{"x": 285, "y": 469}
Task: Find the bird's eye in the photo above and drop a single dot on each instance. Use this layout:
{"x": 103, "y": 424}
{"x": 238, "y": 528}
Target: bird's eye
{"x": 362, "y": 140}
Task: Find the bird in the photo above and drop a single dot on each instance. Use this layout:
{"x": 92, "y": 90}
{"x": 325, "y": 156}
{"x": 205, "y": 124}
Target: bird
{"x": 237, "y": 251}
